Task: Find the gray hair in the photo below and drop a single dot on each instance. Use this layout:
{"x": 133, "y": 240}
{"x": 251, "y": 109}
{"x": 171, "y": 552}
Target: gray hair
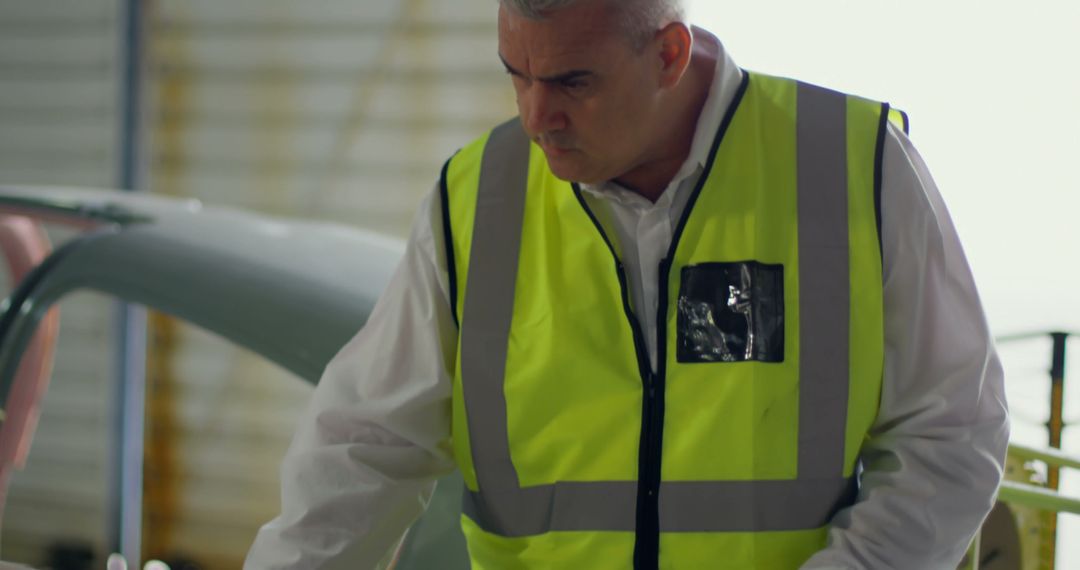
{"x": 640, "y": 18}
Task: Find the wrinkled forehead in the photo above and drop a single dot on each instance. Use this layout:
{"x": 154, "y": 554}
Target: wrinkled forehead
{"x": 584, "y": 33}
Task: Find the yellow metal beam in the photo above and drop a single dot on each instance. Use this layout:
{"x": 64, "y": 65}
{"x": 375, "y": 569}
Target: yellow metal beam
{"x": 1037, "y": 497}
{"x": 1051, "y": 457}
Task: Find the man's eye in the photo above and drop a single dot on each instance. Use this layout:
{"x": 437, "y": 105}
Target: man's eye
{"x": 575, "y": 85}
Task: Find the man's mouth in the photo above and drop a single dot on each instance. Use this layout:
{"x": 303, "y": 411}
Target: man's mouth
{"x": 554, "y": 149}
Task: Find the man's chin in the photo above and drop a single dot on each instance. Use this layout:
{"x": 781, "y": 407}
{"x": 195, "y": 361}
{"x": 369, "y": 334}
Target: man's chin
{"x": 572, "y": 171}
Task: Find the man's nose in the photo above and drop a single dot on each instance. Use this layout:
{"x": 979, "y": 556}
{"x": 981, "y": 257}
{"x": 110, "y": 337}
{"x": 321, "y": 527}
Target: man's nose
{"x": 540, "y": 109}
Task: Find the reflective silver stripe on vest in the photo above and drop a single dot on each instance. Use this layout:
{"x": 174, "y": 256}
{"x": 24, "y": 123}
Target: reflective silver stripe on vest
{"x": 824, "y": 281}
{"x": 505, "y": 508}
{"x": 489, "y": 307}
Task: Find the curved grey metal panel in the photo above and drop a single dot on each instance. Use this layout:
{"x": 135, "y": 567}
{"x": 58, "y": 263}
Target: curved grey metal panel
{"x": 293, "y": 292}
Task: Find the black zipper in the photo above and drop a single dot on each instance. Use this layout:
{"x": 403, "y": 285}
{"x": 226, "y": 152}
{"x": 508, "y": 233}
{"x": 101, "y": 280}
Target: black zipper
{"x": 647, "y": 535}
{"x": 650, "y": 450}
{"x": 647, "y": 518}
{"x": 647, "y": 538}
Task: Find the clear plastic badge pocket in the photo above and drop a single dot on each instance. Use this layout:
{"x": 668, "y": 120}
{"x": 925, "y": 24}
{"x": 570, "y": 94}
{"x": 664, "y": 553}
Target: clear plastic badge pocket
{"x": 731, "y": 312}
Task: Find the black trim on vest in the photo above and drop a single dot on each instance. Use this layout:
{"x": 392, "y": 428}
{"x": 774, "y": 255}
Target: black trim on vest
{"x": 907, "y": 123}
{"x": 620, "y": 270}
{"x": 647, "y": 539}
{"x": 709, "y": 164}
{"x": 650, "y": 452}
{"x": 448, "y": 237}
{"x": 879, "y": 162}
{"x": 647, "y": 527}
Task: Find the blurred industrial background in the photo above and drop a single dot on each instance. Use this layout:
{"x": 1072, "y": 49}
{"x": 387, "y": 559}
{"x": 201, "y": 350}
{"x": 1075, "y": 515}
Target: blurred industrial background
{"x": 329, "y": 109}
{"x": 338, "y": 110}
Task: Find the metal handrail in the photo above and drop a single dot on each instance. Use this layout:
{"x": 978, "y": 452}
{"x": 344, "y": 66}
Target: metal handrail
{"x": 1055, "y": 424}
{"x": 1049, "y": 456}
{"x": 1037, "y": 497}
{"x": 1017, "y": 337}
{"x": 1032, "y": 496}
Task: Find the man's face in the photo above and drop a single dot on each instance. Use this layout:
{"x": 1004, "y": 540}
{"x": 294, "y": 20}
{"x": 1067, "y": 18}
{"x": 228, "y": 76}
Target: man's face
{"x": 585, "y": 95}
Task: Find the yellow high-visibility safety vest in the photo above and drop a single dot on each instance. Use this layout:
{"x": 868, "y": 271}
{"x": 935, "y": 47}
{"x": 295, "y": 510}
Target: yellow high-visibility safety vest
{"x": 738, "y": 451}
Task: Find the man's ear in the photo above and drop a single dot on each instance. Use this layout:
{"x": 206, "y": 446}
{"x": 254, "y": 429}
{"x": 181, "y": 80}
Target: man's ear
{"x": 675, "y": 43}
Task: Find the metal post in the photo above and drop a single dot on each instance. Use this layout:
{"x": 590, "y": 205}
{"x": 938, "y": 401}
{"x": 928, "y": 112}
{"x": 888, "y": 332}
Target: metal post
{"x": 973, "y": 558}
{"x": 127, "y": 493}
{"x": 125, "y": 509}
{"x": 1057, "y": 397}
{"x": 1055, "y": 427}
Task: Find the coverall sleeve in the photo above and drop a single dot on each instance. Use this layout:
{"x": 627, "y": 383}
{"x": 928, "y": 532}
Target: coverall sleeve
{"x": 376, "y": 432}
{"x": 936, "y": 452}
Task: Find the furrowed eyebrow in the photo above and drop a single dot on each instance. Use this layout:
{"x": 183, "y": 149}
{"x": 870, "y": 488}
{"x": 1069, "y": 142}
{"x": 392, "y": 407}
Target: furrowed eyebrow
{"x": 566, "y": 77}
{"x": 509, "y": 68}
{"x": 560, "y": 78}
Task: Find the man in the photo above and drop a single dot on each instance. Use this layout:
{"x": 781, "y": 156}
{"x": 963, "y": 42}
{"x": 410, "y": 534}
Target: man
{"x": 710, "y": 319}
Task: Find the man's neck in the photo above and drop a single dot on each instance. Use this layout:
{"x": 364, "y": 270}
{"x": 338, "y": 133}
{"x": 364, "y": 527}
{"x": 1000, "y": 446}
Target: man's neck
{"x": 652, "y": 177}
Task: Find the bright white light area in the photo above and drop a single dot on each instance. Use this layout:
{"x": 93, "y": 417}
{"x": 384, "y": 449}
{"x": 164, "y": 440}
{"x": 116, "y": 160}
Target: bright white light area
{"x": 993, "y": 91}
